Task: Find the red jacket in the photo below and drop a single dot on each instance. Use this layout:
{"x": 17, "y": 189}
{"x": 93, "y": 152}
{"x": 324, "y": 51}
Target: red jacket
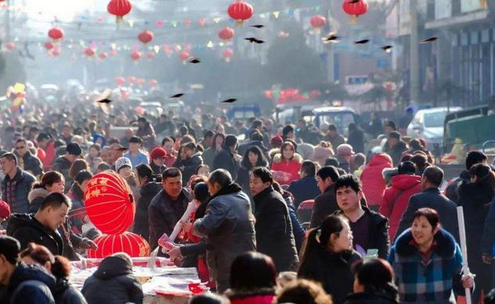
{"x": 48, "y": 156}
{"x": 290, "y": 167}
{"x": 372, "y": 179}
{"x": 410, "y": 185}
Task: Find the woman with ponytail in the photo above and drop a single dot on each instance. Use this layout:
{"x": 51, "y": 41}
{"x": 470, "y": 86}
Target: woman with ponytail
{"x": 51, "y": 181}
{"x": 328, "y": 256}
{"x": 148, "y": 188}
{"x": 374, "y": 283}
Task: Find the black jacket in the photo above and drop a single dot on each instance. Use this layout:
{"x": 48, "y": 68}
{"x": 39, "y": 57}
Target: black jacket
{"x": 190, "y": 165}
{"x": 225, "y": 160}
{"x": 431, "y": 198}
{"x": 29, "y": 285}
{"x": 396, "y": 152}
{"x": 356, "y": 140}
{"x": 146, "y": 194}
{"x": 62, "y": 165}
{"x": 377, "y": 232}
{"x": 452, "y": 189}
{"x": 65, "y": 293}
{"x": 370, "y": 298}
{"x": 157, "y": 170}
{"x": 35, "y": 198}
{"x": 31, "y": 164}
{"x": 274, "y": 236}
{"x": 304, "y": 189}
{"x": 333, "y": 271}
{"x": 25, "y": 228}
{"x": 113, "y": 283}
{"x": 164, "y": 213}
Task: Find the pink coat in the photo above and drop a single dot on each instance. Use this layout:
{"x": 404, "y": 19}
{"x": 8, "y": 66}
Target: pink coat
{"x": 409, "y": 185}
{"x": 372, "y": 179}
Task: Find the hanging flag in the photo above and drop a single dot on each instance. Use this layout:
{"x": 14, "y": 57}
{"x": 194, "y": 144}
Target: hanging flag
{"x": 276, "y": 14}
{"x": 217, "y": 19}
{"x": 131, "y": 23}
{"x": 263, "y": 16}
{"x": 174, "y": 23}
{"x": 202, "y": 21}
{"x": 156, "y": 48}
{"x": 210, "y": 44}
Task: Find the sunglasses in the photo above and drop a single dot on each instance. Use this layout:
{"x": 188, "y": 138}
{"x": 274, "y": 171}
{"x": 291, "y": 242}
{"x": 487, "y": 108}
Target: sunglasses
{"x": 19, "y": 148}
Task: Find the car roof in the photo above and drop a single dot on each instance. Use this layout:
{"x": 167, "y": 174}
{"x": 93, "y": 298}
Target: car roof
{"x": 439, "y": 109}
{"x": 332, "y": 110}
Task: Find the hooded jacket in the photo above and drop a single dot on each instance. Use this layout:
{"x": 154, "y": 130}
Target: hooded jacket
{"x": 224, "y": 159}
{"x": 25, "y": 228}
{"x": 113, "y": 283}
{"x": 35, "y": 198}
{"x": 291, "y": 167}
{"x": 190, "y": 165}
{"x": 65, "y": 293}
{"x": 430, "y": 283}
{"x": 396, "y": 198}
{"x": 30, "y": 285}
{"x": 372, "y": 180}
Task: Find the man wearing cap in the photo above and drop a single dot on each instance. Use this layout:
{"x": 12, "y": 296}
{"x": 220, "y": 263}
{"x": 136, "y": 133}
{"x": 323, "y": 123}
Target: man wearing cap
{"x": 20, "y": 283}
{"x": 395, "y": 147}
{"x": 16, "y": 184}
{"x": 135, "y": 154}
{"x": 116, "y": 151}
{"x": 157, "y": 160}
{"x": 64, "y": 162}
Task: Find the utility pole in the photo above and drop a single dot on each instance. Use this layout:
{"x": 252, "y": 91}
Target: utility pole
{"x": 330, "y": 59}
{"x": 414, "y": 51}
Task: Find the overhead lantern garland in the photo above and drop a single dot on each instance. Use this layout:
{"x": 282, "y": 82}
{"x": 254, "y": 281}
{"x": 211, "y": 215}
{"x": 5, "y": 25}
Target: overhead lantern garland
{"x": 135, "y": 56}
{"x": 90, "y": 52}
{"x": 48, "y": 45}
{"x": 10, "y": 46}
{"x": 226, "y": 33}
{"x": 146, "y": 37}
{"x": 119, "y": 81}
{"x": 318, "y": 22}
{"x": 184, "y": 55}
{"x": 119, "y": 8}
{"x": 355, "y": 9}
{"x": 56, "y": 33}
{"x": 240, "y": 11}
{"x": 227, "y": 54}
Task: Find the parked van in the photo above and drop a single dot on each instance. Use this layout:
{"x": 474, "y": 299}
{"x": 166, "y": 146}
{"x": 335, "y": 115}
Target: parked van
{"x": 429, "y": 124}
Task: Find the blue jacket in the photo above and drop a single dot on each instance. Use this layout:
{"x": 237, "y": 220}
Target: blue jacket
{"x": 24, "y": 181}
{"x": 304, "y": 189}
{"x": 430, "y": 283}
{"x": 30, "y": 285}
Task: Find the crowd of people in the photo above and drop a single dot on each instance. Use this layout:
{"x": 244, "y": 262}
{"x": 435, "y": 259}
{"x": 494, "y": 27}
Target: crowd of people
{"x": 383, "y": 226}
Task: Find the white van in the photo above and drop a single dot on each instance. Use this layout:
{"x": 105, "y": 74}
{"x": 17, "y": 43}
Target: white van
{"x": 429, "y": 124}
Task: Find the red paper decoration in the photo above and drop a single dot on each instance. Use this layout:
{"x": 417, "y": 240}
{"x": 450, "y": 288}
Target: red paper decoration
{"x": 128, "y": 242}
{"x": 131, "y": 79}
{"x": 146, "y": 36}
{"x": 227, "y": 54}
{"x": 141, "y": 81}
{"x": 10, "y": 46}
{"x": 120, "y": 81}
{"x": 103, "y": 55}
{"x": 56, "y": 51}
{"x": 226, "y": 33}
{"x": 355, "y": 9}
{"x": 109, "y": 203}
{"x": 90, "y": 52}
{"x": 153, "y": 83}
{"x": 56, "y": 33}
{"x": 48, "y": 45}
{"x": 136, "y": 56}
{"x": 119, "y": 8}
{"x": 318, "y": 22}
{"x": 184, "y": 55}
{"x": 240, "y": 11}
{"x": 150, "y": 55}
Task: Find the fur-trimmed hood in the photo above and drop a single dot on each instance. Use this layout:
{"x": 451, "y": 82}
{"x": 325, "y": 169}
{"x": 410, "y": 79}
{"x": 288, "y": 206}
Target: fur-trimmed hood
{"x": 278, "y": 158}
{"x": 445, "y": 244}
{"x": 37, "y": 193}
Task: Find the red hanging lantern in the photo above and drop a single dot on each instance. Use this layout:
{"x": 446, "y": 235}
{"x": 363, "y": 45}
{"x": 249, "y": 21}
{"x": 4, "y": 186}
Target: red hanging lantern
{"x": 355, "y": 9}
{"x": 56, "y": 33}
{"x": 153, "y": 83}
{"x": 120, "y": 81}
{"x": 10, "y": 46}
{"x": 109, "y": 203}
{"x": 184, "y": 55}
{"x": 318, "y": 22}
{"x": 103, "y": 55}
{"x": 119, "y": 8}
{"x": 48, "y": 45}
{"x": 128, "y": 242}
{"x": 131, "y": 79}
{"x": 141, "y": 81}
{"x": 226, "y": 33}
{"x": 90, "y": 52}
{"x": 146, "y": 36}
{"x": 56, "y": 51}
{"x": 113, "y": 53}
{"x": 150, "y": 55}
{"x": 135, "y": 56}
{"x": 227, "y": 54}
{"x": 240, "y": 11}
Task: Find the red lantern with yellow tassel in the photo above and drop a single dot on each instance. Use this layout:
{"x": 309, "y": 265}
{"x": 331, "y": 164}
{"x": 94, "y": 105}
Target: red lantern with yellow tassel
{"x": 119, "y": 8}
{"x": 240, "y": 11}
{"x": 355, "y": 9}
{"x": 128, "y": 242}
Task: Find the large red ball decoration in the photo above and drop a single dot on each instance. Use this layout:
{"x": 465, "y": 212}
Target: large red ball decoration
{"x": 119, "y": 8}
{"x": 146, "y": 36}
{"x": 136, "y": 56}
{"x": 184, "y": 55}
{"x": 119, "y": 81}
{"x": 240, "y": 11}
{"x": 226, "y": 33}
{"x": 318, "y": 22}
{"x": 128, "y": 242}
{"x": 56, "y": 33}
{"x": 227, "y": 54}
{"x": 109, "y": 203}
{"x": 355, "y": 9}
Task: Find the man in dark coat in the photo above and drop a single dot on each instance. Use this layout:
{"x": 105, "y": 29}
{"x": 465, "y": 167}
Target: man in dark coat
{"x": 19, "y": 283}
{"x": 168, "y": 206}
{"x": 369, "y": 228}
{"x": 356, "y": 138}
{"x": 226, "y": 159}
{"x": 63, "y": 163}
{"x": 431, "y": 197}
{"x": 228, "y": 226}
{"x": 472, "y": 158}
{"x": 255, "y": 139}
{"x": 325, "y": 203}
{"x": 274, "y": 236}
{"x": 113, "y": 282}
{"x": 27, "y": 161}
{"x": 395, "y": 147}
{"x": 16, "y": 184}
{"x": 305, "y": 188}
{"x": 41, "y": 228}
{"x": 334, "y": 137}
